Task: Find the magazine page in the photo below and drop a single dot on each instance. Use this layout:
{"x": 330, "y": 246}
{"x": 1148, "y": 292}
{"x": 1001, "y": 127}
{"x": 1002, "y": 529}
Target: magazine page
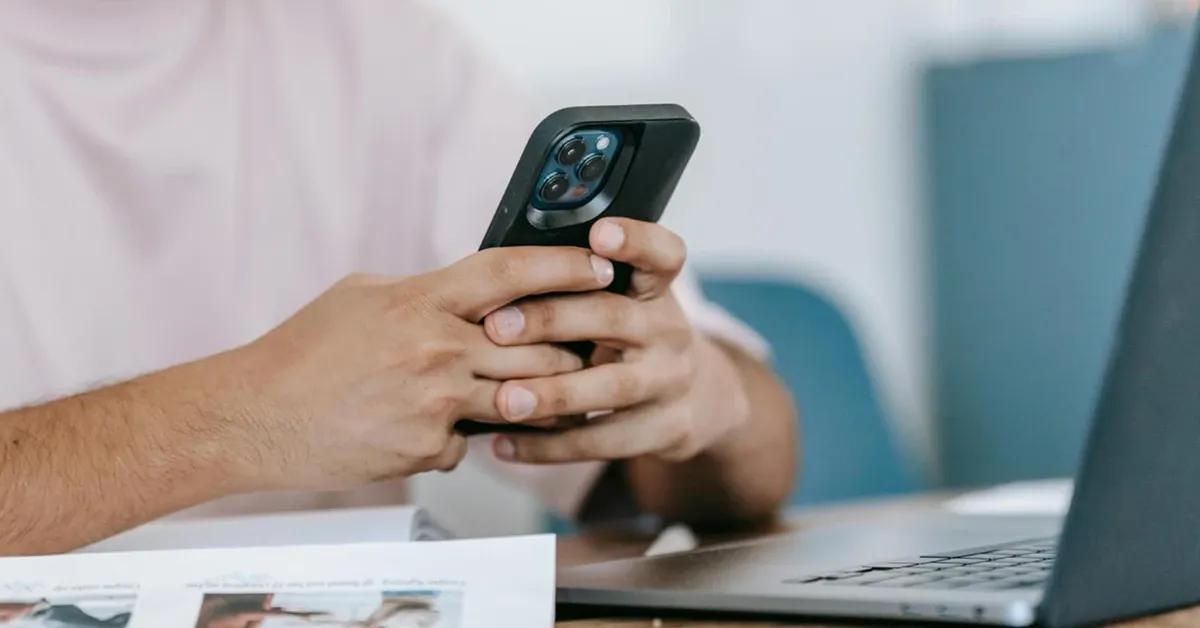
{"x": 486, "y": 583}
{"x": 308, "y": 527}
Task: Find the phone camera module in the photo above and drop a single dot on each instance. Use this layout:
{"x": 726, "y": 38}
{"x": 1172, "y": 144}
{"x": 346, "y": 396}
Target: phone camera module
{"x": 592, "y": 167}
{"x": 554, "y": 187}
{"x": 571, "y": 151}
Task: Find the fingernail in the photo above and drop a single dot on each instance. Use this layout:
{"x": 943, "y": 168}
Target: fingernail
{"x": 603, "y": 269}
{"x": 609, "y": 237}
{"x": 519, "y": 402}
{"x": 507, "y": 322}
{"x": 504, "y": 448}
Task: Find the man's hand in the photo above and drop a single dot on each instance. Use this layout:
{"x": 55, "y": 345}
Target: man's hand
{"x": 674, "y": 393}
{"x": 364, "y": 383}
{"x": 367, "y": 382}
{"x": 705, "y": 433}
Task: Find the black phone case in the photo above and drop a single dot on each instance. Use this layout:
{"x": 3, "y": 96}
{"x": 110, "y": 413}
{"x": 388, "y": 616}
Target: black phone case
{"x": 662, "y": 138}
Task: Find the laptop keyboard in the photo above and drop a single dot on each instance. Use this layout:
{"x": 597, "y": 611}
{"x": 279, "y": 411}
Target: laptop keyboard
{"x": 1019, "y": 565}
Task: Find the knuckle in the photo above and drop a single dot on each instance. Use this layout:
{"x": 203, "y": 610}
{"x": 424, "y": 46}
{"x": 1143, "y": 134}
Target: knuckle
{"x": 675, "y": 252}
{"x": 581, "y": 263}
{"x": 455, "y": 452}
{"x": 554, "y": 398}
{"x": 569, "y": 362}
{"x": 505, "y": 267}
{"x": 442, "y": 407}
{"x": 581, "y": 445}
{"x": 617, "y": 315}
{"x": 437, "y": 354}
{"x": 429, "y": 443}
{"x": 409, "y": 297}
{"x": 627, "y": 386}
{"x": 678, "y": 427}
{"x": 682, "y": 444}
{"x": 540, "y": 315}
{"x": 557, "y": 361}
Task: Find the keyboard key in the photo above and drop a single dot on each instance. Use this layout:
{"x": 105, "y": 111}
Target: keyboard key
{"x": 969, "y": 569}
{"x": 955, "y": 583}
{"x": 867, "y": 578}
{"x": 1017, "y": 583}
{"x": 806, "y": 580}
{"x": 908, "y": 581}
{"x": 893, "y": 564}
{"x": 1026, "y": 563}
{"x": 1010, "y": 572}
{"x": 953, "y": 572}
{"x": 992, "y": 585}
{"x": 914, "y": 571}
{"x": 838, "y": 575}
{"x": 989, "y": 556}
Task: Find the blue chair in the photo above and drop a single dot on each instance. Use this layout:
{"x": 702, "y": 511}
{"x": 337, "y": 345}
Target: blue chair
{"x": 1041, "y": 170}
{"x": 848, "y": 448}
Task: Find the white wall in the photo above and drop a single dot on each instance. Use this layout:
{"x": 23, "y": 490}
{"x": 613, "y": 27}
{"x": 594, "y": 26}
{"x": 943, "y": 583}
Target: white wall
{"x": 809, "y": 162}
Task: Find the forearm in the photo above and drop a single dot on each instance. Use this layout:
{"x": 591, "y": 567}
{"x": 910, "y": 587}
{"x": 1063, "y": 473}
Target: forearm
{"x": 79, "y": 469}
{"x": 744, "y": 479}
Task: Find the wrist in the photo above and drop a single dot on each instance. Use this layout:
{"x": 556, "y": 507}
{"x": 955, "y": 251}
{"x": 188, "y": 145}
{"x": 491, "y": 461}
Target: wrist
{"x": 726, "y": 393}
{"x": 215, "y": 408}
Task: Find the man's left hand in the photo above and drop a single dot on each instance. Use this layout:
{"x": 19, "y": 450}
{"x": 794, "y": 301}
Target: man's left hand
{"x": 673, "y": 393}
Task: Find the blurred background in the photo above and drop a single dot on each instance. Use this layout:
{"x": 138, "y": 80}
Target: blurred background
{"x": 929, "y": 207}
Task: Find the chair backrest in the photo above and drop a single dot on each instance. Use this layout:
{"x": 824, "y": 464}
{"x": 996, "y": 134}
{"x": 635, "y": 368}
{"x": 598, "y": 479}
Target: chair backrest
{"x": 1041, "y": 169}
{"x": 848, "y": 449}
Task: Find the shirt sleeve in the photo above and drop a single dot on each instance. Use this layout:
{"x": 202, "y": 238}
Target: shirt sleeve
{"x": 479, "y": 141}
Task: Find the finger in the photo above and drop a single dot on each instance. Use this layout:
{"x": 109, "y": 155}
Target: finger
{"x": 451, "y": 456}
{"x": 525, "y": 361}
{"x": 656, "y": 253}
{"x": 605, "y": 355}
{"x": 605, "y": 387}
{"x": 595, "y": 316}
{"x": 617, "y": 436}
{"x": 495, "y": 277}
{"x": 479, "y": 402}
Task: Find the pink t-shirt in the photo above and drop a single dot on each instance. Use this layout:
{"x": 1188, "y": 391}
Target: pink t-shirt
{"x": 178, "y": 176}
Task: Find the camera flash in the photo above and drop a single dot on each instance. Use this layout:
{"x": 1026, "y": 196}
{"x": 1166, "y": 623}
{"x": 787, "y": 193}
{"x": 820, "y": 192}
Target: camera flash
{"x": 602, "y": 142}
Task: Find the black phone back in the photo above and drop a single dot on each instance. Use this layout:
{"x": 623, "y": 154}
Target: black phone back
{"x": 657, "y": 142}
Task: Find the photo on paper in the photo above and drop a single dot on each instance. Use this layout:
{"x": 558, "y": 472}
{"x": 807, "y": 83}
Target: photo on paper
{"x": 350, "y": 609}
{"x": 67, "y": 611}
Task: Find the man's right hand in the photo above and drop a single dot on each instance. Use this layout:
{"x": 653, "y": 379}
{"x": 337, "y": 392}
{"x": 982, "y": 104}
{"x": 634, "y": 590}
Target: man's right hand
{"x": 367, "y": 381}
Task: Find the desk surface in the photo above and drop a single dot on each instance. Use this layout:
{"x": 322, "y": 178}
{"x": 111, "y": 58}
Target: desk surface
{"x": 594, "y": 547}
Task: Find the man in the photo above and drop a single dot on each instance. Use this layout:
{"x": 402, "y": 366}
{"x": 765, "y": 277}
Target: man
{"x": 178, "y": 177}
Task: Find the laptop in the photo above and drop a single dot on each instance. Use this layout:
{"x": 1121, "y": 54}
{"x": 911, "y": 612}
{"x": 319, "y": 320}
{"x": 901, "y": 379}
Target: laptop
{"x": 1128, "y": 546}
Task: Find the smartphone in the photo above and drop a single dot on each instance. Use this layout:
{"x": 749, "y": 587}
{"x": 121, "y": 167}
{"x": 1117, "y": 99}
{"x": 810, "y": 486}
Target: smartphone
{"x": 584, "y": 163}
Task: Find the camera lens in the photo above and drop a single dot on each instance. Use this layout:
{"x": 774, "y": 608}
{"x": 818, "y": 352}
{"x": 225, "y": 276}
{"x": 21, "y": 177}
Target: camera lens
{"x": 592, "y": 167}
{"x": 571, "y": 151}
{"x": 554, "y": 186}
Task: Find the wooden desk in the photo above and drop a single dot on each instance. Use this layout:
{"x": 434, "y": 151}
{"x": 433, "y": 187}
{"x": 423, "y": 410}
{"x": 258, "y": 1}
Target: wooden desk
{"x": 595, "y": 547}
